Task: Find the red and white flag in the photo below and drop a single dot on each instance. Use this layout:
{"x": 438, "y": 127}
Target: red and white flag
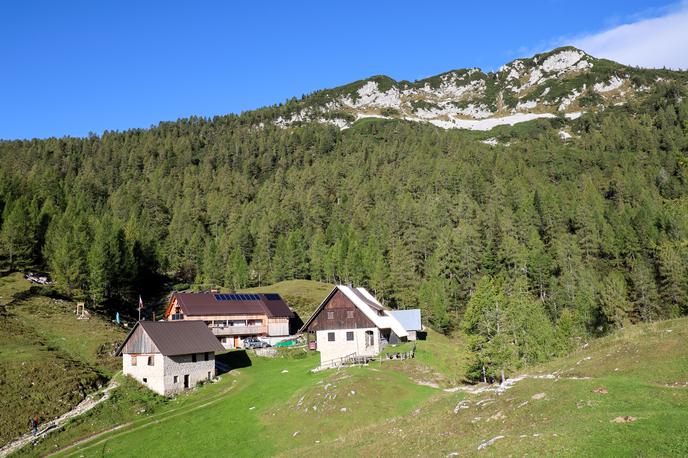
{"x": 140, "y": 303}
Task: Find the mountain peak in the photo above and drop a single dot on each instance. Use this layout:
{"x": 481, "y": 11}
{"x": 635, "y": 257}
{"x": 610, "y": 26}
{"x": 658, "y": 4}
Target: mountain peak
{"x": 564, "y": 81}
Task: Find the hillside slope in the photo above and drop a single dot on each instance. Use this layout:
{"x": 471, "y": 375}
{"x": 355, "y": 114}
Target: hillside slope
{"x": 626, "y": 394}
{"x": 623, "y": 395}
{"x": 303, "y": 296}
{"x": 49, "y": 360}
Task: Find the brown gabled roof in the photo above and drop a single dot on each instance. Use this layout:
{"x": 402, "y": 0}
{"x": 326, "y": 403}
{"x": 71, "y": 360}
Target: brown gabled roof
{"x": 178, "y": 337}
{"x": 194, "y": 304}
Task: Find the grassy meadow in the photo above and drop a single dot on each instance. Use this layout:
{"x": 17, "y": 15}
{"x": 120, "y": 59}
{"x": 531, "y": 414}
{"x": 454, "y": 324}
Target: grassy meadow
{"x": 625, "y": 394}
{"x": 49, "y": 360}
{"x": 303, "y": 296}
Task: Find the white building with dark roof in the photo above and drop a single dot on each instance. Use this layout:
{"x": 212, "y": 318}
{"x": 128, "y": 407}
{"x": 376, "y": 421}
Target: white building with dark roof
{"x": 350, "y": 322}
{"x": 169, "y": 357}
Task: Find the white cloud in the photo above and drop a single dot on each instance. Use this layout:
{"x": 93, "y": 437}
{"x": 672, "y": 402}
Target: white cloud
{"x": 655, "y": 42}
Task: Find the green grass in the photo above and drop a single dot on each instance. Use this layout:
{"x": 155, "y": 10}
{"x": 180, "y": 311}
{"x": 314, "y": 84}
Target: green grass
{"x": 278, "y": 407}
{"x": 11, "y": 285}
{"x": 54, "y": 322}
{"x": 261, "y": 410}
{"x": 302, "y": 295}
{"x": 49, "y": 360}
{"x": 644, "y": 370}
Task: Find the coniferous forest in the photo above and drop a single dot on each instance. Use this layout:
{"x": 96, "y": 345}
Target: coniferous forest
{"x": 527, "y": 246}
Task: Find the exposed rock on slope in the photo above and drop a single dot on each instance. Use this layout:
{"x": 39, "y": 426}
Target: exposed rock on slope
{"x": 565, "y": 81}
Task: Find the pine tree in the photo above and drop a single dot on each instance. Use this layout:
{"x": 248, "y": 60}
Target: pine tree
{"x": 614, "y": 300}
{"x": 401, "y": 276}
{"x": 673, "y": 274}
{"x": 18, "y": 232}
{"x": 646, "y": 302}
{"x": 237, "y": 271}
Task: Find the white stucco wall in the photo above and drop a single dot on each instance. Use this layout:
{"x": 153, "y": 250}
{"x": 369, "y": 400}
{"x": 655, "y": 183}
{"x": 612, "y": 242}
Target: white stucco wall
{"x": 342, "y": 347}
{"x": 152, "y": 374}
{"x": 160, "y": 376}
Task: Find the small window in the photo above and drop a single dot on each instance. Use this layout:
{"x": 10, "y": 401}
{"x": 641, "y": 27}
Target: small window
{"x": 330, "y": 315}
{"x": 349, "y": 314}
{"x": 145, "y": 380}
{"x": 151, "y": 361}
{"x": 193, "y": 358}
{"x": 206, "y": 355}
{"x": 176, "y": 379}
{"x": 349, "y": 335}
{"x": 209, "y": 376}
{"x": 330, "y": 336}
{"x": 133, "y": 360}
{"x": 369, "y": 338}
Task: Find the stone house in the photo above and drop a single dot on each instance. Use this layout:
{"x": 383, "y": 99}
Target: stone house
{"x": 169, "y": 357}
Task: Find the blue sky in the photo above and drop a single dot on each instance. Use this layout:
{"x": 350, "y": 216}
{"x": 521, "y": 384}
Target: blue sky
{"x": 70, "y": 68}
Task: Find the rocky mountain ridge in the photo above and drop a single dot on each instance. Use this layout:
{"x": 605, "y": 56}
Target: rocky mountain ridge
{"x": 563, "y": 82}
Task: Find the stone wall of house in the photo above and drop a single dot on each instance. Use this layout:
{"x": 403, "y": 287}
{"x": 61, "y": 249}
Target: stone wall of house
{"x": 150, "y": 375}
{"x": 166, "y": 375}
{"x": 176, "y": 367}
{"x": 340, "y": 347}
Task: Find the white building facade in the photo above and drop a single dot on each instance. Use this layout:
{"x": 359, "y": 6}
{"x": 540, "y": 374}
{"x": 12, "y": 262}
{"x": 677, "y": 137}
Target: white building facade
{"x": 169, "y": 357}
{"x": 350, "y": 322}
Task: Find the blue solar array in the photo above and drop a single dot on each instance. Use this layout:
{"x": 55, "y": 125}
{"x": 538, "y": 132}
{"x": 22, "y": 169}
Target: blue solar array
{"x": 237, "y": 297}
{"x": 273, "y": 297}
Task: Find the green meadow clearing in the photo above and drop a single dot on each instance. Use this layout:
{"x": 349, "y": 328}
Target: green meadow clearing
{"x": 623, "y": 395}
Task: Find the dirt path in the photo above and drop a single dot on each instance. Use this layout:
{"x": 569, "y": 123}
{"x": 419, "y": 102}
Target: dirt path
{"x": 87, "y": 404}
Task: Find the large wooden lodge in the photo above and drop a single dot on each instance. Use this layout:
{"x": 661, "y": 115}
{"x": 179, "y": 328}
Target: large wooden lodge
{"x": 233, "y": 317}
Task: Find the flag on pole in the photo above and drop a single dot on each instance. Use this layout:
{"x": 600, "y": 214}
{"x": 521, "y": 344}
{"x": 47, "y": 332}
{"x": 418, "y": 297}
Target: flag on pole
{"x": 140, "y": 306}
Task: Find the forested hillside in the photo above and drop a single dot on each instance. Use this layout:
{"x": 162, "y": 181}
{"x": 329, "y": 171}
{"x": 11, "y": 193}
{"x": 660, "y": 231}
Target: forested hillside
{"x": 526, "y": 243}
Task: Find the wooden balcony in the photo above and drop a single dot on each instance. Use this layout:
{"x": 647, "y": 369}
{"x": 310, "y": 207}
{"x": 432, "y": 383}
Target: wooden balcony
{"x": 239, "y": 330}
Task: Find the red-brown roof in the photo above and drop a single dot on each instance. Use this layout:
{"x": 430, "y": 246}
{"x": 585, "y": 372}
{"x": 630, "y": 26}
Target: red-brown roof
{"x": 178, "y": 337}
{"x": 271, "y": 305}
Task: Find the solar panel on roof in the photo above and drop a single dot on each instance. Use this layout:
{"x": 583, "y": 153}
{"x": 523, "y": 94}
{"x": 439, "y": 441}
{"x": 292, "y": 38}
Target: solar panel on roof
{"x": 273, "y": 297}
{"x": 218, "y": 297}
